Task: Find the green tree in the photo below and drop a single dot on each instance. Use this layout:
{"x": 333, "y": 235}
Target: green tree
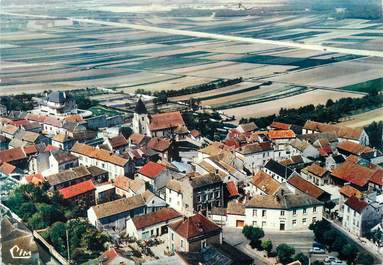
{"x": 27, "y": 209}
{"x": 329, "y": 237}
{"x": 267, "y": 245}
{"x": 126, "y": 131}
{"x": 349, "y": 252}
{"x": 285, "y": 252}
{"x": 338, "y": 244}
{"x": 57, "y": 236}
{"x": 365, "y": 259}
{"x": 302, "y": 258}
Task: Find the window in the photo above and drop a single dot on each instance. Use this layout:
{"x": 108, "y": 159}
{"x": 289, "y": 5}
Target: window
{"x": 263, "y": 223}
{"x": 282, "y": 213}
{"x": 254, "y": 212}
{"x": 304, "y": 220}
{"x": 254, "y": 223}
{"x": 217, "y": 194}
{"x": 294, "y": 222}
{"x": 294, "y": 212}
{"x": 182, "y": 243}
{"x": 263, "y": 213}
{"x": 314, "y": 209}
{"x": 172, "y": 236}
{"x": 304, "y": 211}
{"x": 198, "y": 198}
{"x": 203, "y": 243}
{"x": 314, "y": 219}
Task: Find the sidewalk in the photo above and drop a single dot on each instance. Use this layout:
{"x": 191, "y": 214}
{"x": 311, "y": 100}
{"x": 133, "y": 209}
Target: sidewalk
{"x": 366, "y": 244}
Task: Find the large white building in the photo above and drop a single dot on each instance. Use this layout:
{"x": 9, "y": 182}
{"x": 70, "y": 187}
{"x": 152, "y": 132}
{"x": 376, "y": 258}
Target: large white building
{"x": 288, "y": 210}
{"x": 57, "y": 103}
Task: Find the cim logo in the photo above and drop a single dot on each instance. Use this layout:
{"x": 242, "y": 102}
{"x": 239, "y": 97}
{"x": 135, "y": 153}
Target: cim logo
{"x": 19, "y": 253}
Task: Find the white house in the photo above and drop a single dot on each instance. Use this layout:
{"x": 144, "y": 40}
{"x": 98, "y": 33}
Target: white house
{"x": 303, "y": 148}
{"x": 359, "y": 216}
{"x": 153, "y": 224}
{"x": 156, "y": 175}
{"x": 288, "y": 210}
{"x": 278, "y": 171}
{"x": 92, "y": 156}
{"x": 254, "y": 155}
{"x": 263, "y": 184}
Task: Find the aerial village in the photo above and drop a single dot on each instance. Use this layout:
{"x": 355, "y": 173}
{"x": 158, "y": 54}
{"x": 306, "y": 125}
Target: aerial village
{"x": 164, "y": 194}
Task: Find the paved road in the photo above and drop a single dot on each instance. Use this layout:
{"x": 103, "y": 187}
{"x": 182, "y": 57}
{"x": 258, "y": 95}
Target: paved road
{"x": 234, "y": 237}
{"x": 199, "y": 34}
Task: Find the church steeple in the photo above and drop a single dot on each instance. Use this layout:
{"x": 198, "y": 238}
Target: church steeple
{"x": 140, "y": 107}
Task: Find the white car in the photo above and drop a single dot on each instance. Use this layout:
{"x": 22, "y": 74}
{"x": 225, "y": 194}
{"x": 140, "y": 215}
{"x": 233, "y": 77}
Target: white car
{"x": 316, "y": 250}
{"x": 330, "y": 259}
{"x": 338, "y": 262}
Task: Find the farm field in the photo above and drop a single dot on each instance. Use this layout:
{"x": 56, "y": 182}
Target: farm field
{"x": 268, "y": 108}
{"x": 363, "y": 119}
{"x": 54, "y": 53}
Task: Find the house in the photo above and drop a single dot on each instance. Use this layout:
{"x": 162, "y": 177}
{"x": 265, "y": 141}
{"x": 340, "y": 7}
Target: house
{"x": 303, "y": 148}
{"x": 126, "y": 187}
{"x": 9, "y": 131}
{"x": 63, "y": 141}
{"x": 152, "y": 224}
{"x": 60, "y": 160}
{"x": 15, "y": 156}
{"x": 7, "y": 169}
{"x": 57, "y": 103}
{"x": 152, "y": 202}
{"x": 288, "y": 209}
{"x": 92, "y": 156}
{"x": 295, "y": 162}
{"x": 193, "y": 234}
{"x": 263, "y": 184}
{"x": 376, "y": 180}
{"x": 195, "y": 193}
{"x": 114, "y": 256}
{"x": 316, "y": 174}
{"x": 308, "y": 188}
{"x": 114, "y": 214}
{"x": 278, "y": 171}
{"x": 357, "y": 135}
{"x": 346, "y": 192}
{"x": 117, "y": 144}
{"x": 254, "y": 155}
{"x": 360, "y": 216}
{"x": 347, "y": 148}
{"x": 281, "y": 139}
{"x": 81, "y": 194}
{"x": 235, "y": 214}
{"x": 105, "y": 192}
{"x": 357, "y": 175}
{"x": 156, "y": 125}
{"x": 73, "y": 176}
{"x": 156, "y": 175}
{"x": 247, "y": 127}
{"x": 161, "y": 148}
{"x": 333, "y": 161}
{"x": 318, "y": 139}
{"x": 35, "y": 179}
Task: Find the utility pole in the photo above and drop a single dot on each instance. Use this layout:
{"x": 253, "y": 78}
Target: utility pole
{"x": 67, "y": 244}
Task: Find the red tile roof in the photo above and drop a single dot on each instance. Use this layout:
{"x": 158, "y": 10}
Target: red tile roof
{"x": 110, "y": 255}
{"x": 7, "y": 168}
{"x": 166, "y": 120}
{"x": 353, "y": 173}
{"x": 77, "y": 189}
{"x": 151, "y": 169}
{"x": 99, "y": 154}
{"x": 306, "y": 186}
{"x": 18, "y": 122}
{"x": 30, "y": 149}
{"x": 341, "y": 131}
{"x": 281, "y": 134}
{"x": 317, "y": 170}
{"x": 354, "y": 148}
{"x": 159, "y": 144}
{"x": 232, "y": 189}
{"x": 349, "y": 191}
{"x": 377, "y": 178}
{"x": 356, "y": 204}
{"x": 50, "y": 148}
{"x": 280, "y": 125}
{"x": 11, "y": 155}
{"x": 162, "y": 215}
{"x": 195, "y": 226}
{"x": 35, "y": 179}
{"x": 118, "y": 141}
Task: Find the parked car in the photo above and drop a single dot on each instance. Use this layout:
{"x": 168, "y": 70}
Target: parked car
{"x": 316, "y": 250}
{"x": 338, "y": 262}
{"x": 319, "y": 245}
{"x": 330, "y": 259}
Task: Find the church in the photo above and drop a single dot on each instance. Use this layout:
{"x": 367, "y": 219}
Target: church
{"x": 156, "y": 125}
